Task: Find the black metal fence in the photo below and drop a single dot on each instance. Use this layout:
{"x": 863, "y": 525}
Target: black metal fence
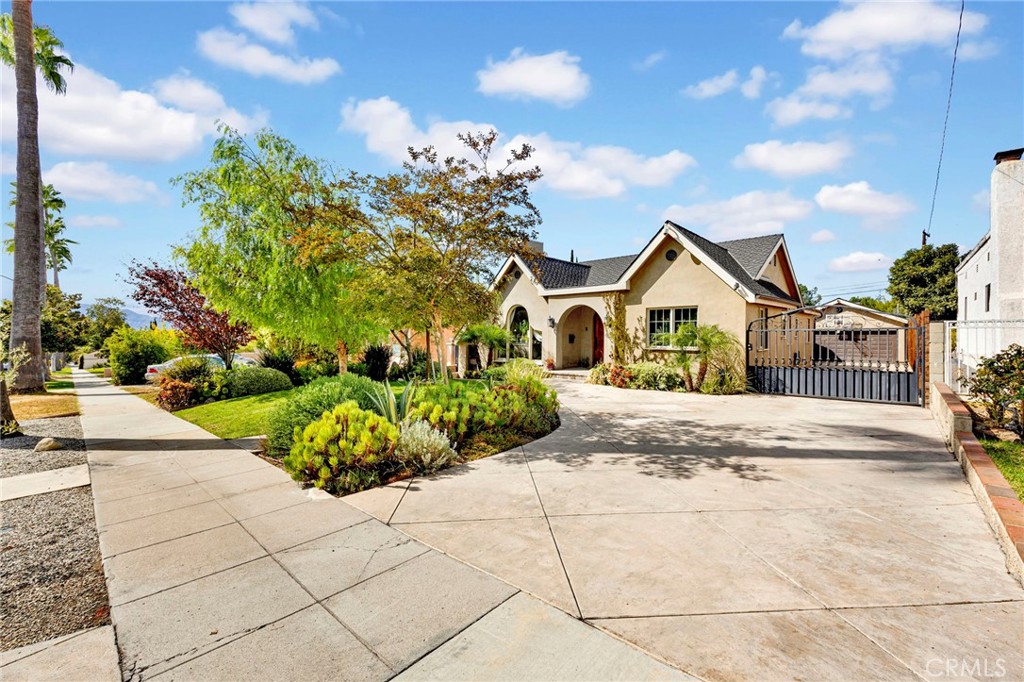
{"x": 790, "y": 355}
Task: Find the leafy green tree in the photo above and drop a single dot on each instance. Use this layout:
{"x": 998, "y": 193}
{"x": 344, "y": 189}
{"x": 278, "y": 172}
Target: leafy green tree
{"x": 432, "y": 234}
{"x": 925, "y": 279}
{"x": 106, "y": 316}
{"x": 809, "y": 295}
{"x": 253, "y": 200}
{"x": 882, "y": 305}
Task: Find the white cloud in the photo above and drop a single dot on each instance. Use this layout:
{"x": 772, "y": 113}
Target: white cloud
{"x": 793, "y": 109}
{"x": 858, "y": 27}
{"x": 795, "y": 159}
{"x": 858, "y": 199}
{"x": 600, "y": 170}
{"x": 570, "y": 167}
{"x": 189, "y": 93}
{"x": 8, "y": 163}
{"x": 860, "y": 261}
{"x": 746, "y": 215}
{"x": 234, "y": 51}
{"x": 751, "y": 87}
{"x": 863, "y": 76}
{"x": 95, "y": 180}
{"x": 822, "y": 237}
{"x": 651, "y": 60}
{"x": 89, "y": 221}
{"x": 982, "y": 200}
{"x": 975, "y": 51}
{"x": 273, "y": 21}
{"x": 714, "y": 86}
{"x": 98, "y": 118}
{"x": 554, "y": 77}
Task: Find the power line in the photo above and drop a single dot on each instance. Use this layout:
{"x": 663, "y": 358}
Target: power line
{"x": 945, "y": 123}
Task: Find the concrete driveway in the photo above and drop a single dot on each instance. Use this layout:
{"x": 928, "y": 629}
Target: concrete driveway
{"x": 739, "y": 537}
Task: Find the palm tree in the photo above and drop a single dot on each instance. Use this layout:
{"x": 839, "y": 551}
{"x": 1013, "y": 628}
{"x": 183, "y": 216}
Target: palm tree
{"x": 51, "y": 63}
{"x": 28, "y": 255}
{"x": 57, "y": 249}
{"x": 486, "y": 337}
{"x": 708, "y": 344}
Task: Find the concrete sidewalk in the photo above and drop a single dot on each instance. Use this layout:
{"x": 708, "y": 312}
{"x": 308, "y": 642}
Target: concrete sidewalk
{"x": 739, "y": 537}
{"x": 220, "y": 567}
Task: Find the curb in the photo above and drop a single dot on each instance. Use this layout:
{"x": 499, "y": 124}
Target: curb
{"x": 1003, "y": 510}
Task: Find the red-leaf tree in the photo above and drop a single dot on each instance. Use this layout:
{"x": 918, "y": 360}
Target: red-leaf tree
{"x": 168, "y": 293}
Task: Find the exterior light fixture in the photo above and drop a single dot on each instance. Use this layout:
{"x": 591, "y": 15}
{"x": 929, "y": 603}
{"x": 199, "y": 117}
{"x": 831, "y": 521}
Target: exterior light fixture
{"x": 551, "y": 322}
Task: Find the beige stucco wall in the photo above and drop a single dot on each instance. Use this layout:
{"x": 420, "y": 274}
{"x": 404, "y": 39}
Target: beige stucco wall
{"x": 858, "y": 319}
{"x": 683, "y": 283}
{"x": 523, "y": 292}
{"x": 776, "y": 273}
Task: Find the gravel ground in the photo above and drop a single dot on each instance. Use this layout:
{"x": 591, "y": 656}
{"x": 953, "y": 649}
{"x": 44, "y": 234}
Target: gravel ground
{"x": 51, "y": 574}
{"x": 16, "y": 456}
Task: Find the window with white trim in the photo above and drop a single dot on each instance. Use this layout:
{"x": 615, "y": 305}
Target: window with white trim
{"x": 664, "y": 321}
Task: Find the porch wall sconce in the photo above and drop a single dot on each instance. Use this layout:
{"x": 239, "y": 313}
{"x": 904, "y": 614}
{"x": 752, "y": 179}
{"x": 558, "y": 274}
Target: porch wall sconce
{"x": 551, "y": 322}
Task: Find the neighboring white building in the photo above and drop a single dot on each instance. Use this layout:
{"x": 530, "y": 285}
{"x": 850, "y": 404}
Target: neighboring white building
{"x": 990, "y": 278}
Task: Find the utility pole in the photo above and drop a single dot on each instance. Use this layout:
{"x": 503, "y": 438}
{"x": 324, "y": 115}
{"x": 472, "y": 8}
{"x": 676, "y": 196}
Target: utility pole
{"x": 924, "y": 238}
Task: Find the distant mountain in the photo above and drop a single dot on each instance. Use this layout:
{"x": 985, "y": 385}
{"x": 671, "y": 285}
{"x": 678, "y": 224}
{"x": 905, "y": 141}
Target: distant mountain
{"x": 138, "y": 320}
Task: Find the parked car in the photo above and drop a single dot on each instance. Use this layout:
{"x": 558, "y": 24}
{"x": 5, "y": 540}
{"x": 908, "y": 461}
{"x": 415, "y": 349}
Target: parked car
{"x": 154, "y": 372}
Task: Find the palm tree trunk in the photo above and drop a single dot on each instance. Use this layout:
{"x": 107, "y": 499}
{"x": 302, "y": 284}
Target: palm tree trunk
{"x": 26, "y": 292}
{"x": 56, "y": 270}
{"x": 483, "y": 351}
{"x": 42, "y": 237}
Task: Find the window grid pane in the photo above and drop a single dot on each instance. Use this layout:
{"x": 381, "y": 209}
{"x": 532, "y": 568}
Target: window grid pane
{"x": 661, "y": 321}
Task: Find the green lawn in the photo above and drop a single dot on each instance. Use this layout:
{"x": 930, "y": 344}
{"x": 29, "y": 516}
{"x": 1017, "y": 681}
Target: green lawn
{"x": 58, "y": 384}
{"x": 1009, "y": 457}
{"x": 235, "y": 418}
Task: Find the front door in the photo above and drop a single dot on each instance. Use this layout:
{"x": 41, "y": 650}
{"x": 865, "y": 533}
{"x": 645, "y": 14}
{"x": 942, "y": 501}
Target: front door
{"x": 598, "y": 340}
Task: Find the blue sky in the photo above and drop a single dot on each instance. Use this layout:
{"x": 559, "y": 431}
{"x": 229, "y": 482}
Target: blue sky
{"x": 819, "y": 120}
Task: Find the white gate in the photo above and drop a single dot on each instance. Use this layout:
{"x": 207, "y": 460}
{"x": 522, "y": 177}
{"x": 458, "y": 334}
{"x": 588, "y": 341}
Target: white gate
{"x": 968, "y": 342}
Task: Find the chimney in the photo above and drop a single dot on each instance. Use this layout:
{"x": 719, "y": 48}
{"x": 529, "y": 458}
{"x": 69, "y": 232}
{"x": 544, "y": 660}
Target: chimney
{"x": 536, "y": 247}
{"x": 572, "y": 255}
{"x": 1008, "y": 155}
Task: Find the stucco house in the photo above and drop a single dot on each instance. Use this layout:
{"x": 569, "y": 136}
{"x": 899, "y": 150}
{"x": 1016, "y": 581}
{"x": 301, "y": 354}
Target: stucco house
{"x": 557, "y": 306}
{"x": 842, "y": 314}
{"x": 990, "y": 278}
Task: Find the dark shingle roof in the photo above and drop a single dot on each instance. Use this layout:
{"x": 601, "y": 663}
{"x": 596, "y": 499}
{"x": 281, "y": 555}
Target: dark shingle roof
{"x": 752, "y": 252}
{"x": 741, "y": 258}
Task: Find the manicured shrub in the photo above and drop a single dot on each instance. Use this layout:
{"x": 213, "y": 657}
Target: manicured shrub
{"x": 652, "y": 376}
{"x": 999, "y": 384}
{"x": 599, "y": 375}
{"x": 176, "y": 394}
{"x": 283, "y": 360}
{"x": 308, "y": 403}
{"x": 359, "y": 369}
{"x": 344, "y": 451}
{"x": 378, "y": 359}
{"x": 496, "y": 374}
{"x": 310, "y": 371}
{"x": 619, "y": 376}
{"x": 130, "y": 351}
{"x": 414, "y": 368}
{"x": 243, "y": 381}
{"x": 193, "y": 369}
{"x": 423, "y": 448}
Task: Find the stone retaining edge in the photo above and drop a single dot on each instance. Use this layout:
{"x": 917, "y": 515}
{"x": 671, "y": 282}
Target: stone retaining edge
{"x": 1003, "y": 510}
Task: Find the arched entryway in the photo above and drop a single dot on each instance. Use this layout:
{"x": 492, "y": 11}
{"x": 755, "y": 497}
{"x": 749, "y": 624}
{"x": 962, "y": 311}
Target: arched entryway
{"x": 526, "y": 340}
{"x": 580, "y": 338}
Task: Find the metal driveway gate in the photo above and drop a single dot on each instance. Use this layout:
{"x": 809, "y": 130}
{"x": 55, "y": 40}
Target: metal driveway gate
{"x": 788, "y": 355}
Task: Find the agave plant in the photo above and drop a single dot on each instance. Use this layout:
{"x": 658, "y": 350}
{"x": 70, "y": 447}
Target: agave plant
{"x": 393, "y": 408}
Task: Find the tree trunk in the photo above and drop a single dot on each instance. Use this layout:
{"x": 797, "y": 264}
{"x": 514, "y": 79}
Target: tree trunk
{"x": 702, "y": 372}
{"x": 42, "y": 240}
{"x": 442, "y": 366}
{"x": 8, "y": 424}
{"x": 483, "y": 350}
{"x": 430, "y": 360}
{"x": 342, "y": 350}
{"x": 28, "y": 249}
{"x": 56, "y": 276}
